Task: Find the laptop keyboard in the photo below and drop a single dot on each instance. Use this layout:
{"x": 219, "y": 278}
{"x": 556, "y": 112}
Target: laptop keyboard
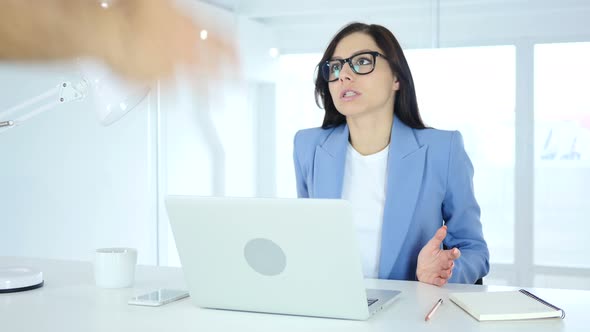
{"x": 371, "y": 301}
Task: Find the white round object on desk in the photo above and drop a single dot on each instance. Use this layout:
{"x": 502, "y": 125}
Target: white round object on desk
{"x": 115, "y": 267}
{"x": 19, "y": 278}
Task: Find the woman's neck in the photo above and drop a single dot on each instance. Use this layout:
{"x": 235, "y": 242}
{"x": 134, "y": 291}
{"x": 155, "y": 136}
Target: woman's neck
{"x": 370, "y": 134}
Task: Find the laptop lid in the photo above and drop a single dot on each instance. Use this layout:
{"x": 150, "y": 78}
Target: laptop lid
{"x": 288, "y": 256}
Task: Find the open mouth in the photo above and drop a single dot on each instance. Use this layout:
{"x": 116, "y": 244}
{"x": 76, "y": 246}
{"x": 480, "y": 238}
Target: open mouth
{"x": 349, "y": 94}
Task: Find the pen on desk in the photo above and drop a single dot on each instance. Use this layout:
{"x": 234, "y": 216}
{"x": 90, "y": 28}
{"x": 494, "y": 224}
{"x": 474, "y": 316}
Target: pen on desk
{"x": 433, "y": 310}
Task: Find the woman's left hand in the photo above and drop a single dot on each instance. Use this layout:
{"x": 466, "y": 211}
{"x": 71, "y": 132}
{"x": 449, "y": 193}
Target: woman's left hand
{"x": 435, "y": 265}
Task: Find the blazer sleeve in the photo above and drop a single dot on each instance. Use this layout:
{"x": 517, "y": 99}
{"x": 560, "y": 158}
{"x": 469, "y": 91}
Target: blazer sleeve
{"x": 300, "y": 177}
{"x": 462, "y": 217}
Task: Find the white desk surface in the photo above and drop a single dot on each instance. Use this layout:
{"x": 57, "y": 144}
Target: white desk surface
{"x": 70, "y": 301}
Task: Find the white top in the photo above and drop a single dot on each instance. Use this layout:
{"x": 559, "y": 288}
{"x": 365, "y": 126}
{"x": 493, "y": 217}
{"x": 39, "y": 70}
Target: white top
{"x": 364, "y": 186}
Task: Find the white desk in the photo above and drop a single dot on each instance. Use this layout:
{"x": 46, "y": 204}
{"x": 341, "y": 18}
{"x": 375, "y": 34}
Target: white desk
{"x": 69, "y": 301}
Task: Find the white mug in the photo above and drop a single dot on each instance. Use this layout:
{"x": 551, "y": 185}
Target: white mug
{"x": 115, "y": 267}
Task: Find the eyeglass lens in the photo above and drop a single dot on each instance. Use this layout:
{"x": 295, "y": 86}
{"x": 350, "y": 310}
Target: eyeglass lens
{"x": 362, "y": 63}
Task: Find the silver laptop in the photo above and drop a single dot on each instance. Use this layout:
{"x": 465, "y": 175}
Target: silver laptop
{"x": 285, "y": 256}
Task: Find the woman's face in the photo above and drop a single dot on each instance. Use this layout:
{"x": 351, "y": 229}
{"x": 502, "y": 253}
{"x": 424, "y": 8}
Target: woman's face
{"x": 357, "y": 95}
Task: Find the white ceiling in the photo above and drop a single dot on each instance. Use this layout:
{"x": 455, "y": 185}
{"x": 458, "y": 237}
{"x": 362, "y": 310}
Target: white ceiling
{"x": 275, "y": 10}
{"x": 307, "y": 25}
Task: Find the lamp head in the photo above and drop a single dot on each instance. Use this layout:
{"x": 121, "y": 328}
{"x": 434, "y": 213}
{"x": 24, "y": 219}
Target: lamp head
{"x": 113, "y": 97}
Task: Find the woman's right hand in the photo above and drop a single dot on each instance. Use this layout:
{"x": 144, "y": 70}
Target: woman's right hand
{"x": 435, "y": 265}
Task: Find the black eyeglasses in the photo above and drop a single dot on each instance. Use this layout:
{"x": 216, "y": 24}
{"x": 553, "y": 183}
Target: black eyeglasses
{"x": 362, "y": 64}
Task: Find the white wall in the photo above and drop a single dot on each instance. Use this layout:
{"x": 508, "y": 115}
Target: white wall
{"x": 69, "y": 185}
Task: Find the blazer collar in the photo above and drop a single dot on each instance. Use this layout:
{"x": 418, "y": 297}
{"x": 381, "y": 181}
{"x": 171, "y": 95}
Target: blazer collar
{"x": 405, "y": 171}
{"x": 402, "y": 142}
{"x": 329, "y": 164}
{"x": 330, "y": 157}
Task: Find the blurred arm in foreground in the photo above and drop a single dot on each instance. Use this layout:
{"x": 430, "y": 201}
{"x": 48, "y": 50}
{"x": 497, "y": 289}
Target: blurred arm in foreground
{"x": 141, "y": 40}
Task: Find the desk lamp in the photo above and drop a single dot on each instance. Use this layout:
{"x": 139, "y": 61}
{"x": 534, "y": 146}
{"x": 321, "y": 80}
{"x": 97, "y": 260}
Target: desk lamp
{"x": 113, "y": 98}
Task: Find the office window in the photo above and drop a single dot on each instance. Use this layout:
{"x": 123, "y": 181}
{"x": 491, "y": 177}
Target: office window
{"x": 472, "y": 90}
{"x": 562, "y": 154}
{"x": 561, "y": 281}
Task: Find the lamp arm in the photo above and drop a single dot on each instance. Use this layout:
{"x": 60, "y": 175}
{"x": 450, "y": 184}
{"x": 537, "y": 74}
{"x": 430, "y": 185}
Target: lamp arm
{"x": 64, "y": 92}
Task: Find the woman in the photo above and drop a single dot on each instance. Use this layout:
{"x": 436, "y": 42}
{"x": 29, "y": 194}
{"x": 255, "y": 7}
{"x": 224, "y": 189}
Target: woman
{"x": 410, "y": 186}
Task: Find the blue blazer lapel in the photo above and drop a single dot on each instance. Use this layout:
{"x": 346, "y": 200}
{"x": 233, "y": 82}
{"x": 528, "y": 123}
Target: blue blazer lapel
{"x": 405, "y": 168}
{"x": 329, "y": 161}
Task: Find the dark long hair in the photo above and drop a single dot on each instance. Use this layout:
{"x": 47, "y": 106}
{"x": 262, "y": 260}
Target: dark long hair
{"x": 406, "y": 105}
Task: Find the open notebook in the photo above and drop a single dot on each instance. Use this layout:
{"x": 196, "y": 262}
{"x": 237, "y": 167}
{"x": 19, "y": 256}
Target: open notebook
{"x": 509, "y": 305}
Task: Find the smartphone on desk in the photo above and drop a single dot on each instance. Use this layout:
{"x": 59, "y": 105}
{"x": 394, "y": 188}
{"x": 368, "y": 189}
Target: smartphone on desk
{"x": 158, "y": 297}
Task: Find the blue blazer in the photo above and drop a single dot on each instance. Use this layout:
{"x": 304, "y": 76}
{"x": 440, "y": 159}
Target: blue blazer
{"x": 429, "y": 182}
